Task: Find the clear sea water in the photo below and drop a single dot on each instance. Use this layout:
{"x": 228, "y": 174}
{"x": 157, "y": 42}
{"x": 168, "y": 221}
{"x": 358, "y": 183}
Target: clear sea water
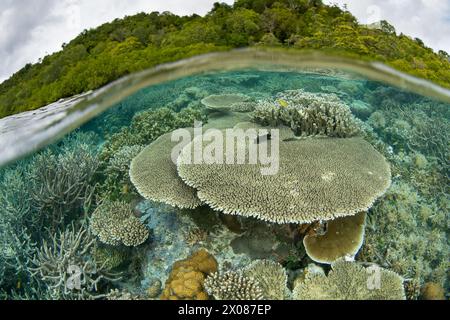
{"x": 47, "y": 198}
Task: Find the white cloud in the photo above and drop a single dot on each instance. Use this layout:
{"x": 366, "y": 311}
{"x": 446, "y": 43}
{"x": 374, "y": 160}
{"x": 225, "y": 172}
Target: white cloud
{"x": 428, "y": 20}
{"x": 36, "y": 28}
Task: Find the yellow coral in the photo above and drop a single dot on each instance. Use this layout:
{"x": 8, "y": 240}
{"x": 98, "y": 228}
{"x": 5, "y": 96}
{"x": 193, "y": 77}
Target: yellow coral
{"x": 187, "y": 277}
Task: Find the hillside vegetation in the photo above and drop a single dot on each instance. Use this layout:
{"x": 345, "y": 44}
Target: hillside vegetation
{"x": 101, "y": 55}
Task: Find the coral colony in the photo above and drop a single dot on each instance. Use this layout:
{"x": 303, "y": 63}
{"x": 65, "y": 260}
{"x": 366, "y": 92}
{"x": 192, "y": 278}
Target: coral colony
{"x": 236, "y": 185}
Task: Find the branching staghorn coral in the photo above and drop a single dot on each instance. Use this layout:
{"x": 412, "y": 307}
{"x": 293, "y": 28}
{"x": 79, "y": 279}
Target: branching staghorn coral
{"x": 308, "y": 114}
{"x": 407, "y": 234}
{"x": 37, "y": 197}
{"x": 66, "y": 259}
{"x": 18, "y": 226}
{"x": 418, "y": 128}
{"x": 62, "y": 184}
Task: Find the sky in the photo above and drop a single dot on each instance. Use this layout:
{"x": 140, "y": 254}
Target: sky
{"x": 31, "y": 29}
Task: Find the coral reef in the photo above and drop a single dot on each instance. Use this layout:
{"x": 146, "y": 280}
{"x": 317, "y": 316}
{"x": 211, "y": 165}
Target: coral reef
{"x": 65, "y": 266}
{"x": 196, "y": 235}
{"x": 271, "y": 277}
{"x": 418, "y": 128}
{"x": 224, "y": 121}
{"x": 318, "y": 179}
{"x": 154, "y": 289}
{"x": 115, "y": 224}
{"x": 361, "y": 109}
{"x": 350, "y": 281}
{"x": 245, "y": 106}
{"x": 223, "y": 102}
{"x": 407, "y": 234}
{"x": 432, "y": 291}
{"x": 266, "y": 241}
{"x": 62, "y": 181}
{"x": 117, "y": 184}
{"x": 38, "y": 197}
{"x": 154, "y": 174}
{"x": 120, "y": 148}
{"x": 186, "y": 280}
{"x": 149, "y": 125}
{"x": 343, "y": 238}
{"x": 108, "y": 257}
{"x": 46, "y": 198}
{"x": 308, "y": 114}
{"x": 123, "y": 295}
{"x": 233, "y": 285}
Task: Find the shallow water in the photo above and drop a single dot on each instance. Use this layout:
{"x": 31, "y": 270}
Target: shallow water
{"x": 53, "y": 193}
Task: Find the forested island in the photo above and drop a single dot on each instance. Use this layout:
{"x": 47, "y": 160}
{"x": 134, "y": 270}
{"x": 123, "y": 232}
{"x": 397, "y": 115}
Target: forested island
{"x": 101, "y": 55}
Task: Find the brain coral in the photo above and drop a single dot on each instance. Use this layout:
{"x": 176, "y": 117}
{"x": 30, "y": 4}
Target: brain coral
{"x": 271, "y": 276}
{"x": 344, "y": 237}
{"x": 187, "y": 277}
{"x": 115, "y": 224}
{"x": 233, "y": 285}
{"x": 318, "y": 179}
{"x": 308, "y": 114}
{"x": 154, "y": 175}
{"x": 223, "y": 102}
{"x": 350, "y": 281}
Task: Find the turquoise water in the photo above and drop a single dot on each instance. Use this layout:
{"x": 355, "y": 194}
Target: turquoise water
{"x": 55, "y": 200}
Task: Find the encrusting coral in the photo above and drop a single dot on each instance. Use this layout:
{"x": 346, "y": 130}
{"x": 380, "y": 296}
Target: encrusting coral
{"x": 271, "y": 277}
{"x": 308, "y": 114}
{"x": 233, "y": 285}
{"x": 155, "y": 176}
{"x": 318, "y": 179}
{"x": 114, "y": 223}
{"x": 350, "y": 281}
{"x": 343, "y": 238}
{"x": 186, "y": 280}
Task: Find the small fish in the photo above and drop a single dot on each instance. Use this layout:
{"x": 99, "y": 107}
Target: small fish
{"x": 283, "y": 103}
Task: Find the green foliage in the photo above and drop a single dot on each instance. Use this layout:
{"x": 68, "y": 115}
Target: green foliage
{"x": 99, "y": 56}
{"x": 38, "y": 197}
